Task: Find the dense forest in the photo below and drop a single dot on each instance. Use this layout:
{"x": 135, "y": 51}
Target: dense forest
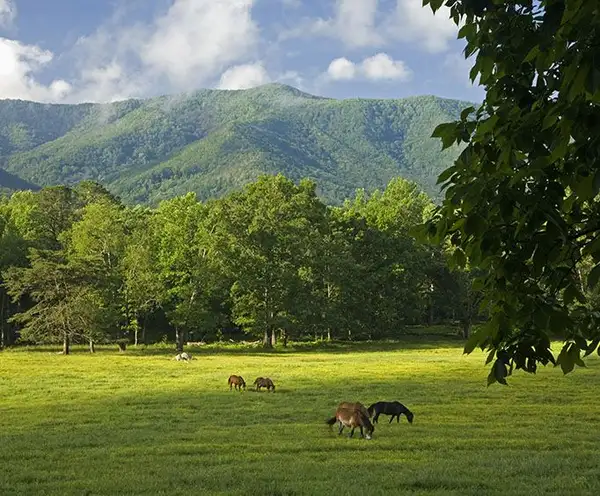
{"x": 213, "y": 142}
{"x": 270, "y": 261}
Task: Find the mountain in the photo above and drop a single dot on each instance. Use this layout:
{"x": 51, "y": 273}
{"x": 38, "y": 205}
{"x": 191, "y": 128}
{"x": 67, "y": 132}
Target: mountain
{"x": 213, "y": 141}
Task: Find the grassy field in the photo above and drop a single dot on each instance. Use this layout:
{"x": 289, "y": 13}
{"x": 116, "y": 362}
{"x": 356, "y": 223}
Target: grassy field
{"x": 140, "y": 423}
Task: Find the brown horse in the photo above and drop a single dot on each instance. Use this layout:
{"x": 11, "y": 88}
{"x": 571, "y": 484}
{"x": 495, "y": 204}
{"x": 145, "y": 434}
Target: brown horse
{"x": 237, "y": 381}
{"x": 352, "y": 417}
{"x": 355, "y": 406}
{"x": 264, "y": 382}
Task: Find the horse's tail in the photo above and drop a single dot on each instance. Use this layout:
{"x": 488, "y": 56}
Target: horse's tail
{"x": 331, "y": 421}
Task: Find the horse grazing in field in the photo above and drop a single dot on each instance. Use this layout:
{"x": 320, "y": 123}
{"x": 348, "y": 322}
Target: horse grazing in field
{"x": 355, "y": 406}
{"x": 264, "y": 382}
{"x": 393, "y": 408}
{"x": 237, "y": 382}
{"x": 352, "y": 417}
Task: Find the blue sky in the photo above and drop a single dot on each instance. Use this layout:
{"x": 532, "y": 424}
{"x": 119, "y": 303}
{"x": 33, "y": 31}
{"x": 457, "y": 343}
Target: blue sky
{"x": 105, "y": 50}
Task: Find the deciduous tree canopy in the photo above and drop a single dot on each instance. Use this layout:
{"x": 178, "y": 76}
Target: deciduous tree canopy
{"x": 522, "y": 200}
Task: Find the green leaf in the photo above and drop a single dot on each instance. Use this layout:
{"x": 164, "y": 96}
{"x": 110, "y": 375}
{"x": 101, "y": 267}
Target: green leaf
{"x": 572, "y": 293}
{"x": 533, "y": 53}
{"x": 592, "y": 347}
{"x": 434, "y": 4}
{"x": 490, "y": 357}
{"x": 475, "y": 225}
{"x": 466, "y": 112}
{"x": 593, "y": 277}
{"x": 445, "y": 175}
{"x": 566, "y": 360}
{"x": 448, "y": 133}
{"x": 500, "y": 372}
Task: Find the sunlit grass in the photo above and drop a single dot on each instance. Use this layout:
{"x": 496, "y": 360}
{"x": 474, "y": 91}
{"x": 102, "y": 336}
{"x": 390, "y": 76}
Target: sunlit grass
{"x": 140, "y": 423}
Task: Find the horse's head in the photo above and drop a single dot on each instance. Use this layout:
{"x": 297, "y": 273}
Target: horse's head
{"x": 410, "y": 416}
{"x": 370, "y": 428}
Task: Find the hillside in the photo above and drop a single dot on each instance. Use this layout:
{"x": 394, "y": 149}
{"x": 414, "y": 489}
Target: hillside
{"x": 213, "y": 141}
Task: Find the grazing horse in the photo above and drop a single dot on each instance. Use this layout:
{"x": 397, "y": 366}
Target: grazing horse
{"x": 393, "y": 408}
{"x": 355, "y": 406}
{"x": 352, "y": 417}
{"x": 237, "y": 381}
{"x": 264, "y": 382}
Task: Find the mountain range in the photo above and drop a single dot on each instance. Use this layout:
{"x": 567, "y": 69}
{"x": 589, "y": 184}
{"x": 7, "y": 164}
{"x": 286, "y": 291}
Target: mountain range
{"x": 214, "y": 141}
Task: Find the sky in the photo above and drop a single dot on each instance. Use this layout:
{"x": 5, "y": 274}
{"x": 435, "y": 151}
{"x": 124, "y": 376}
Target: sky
{"x": 70, "y": 51}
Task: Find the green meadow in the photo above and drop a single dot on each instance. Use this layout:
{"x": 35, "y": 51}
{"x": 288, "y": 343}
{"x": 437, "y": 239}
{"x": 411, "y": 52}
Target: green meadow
{"x": 141, "y": 423}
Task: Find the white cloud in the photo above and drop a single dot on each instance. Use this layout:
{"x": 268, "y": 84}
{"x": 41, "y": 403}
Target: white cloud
{"x": 370, "y": 23}
{"x": 382, "y": 66}
{"x": 379, "y": 67}
{"x": 412, "y": 22}
{"x": 197, "y": 38}
{"x": 241, "y": 77}
{"x": 185, "y": 48}
{"x": 341, "y": 69}
{"x": 8, "y": 12}
{"x": 353, "y": 23}
{"x": 18, "y": 64}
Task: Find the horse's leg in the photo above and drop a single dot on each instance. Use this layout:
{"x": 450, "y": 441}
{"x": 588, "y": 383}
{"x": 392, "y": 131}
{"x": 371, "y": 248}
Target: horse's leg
{"x": 341, "y": 429}
{"x": 376, "y": 418}
{"x": 352, "y": 432}
{"x": 398, "y": 418}
{"x": 361, "y": 432}
{"x": 391, "y": 418}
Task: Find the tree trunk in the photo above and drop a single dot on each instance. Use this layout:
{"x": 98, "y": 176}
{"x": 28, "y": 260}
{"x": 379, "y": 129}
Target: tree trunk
{"x": 267, "y": 340}
{"x": 135, "y": 334}
{"x": 66, "y": 344}
{"x": 179, "y": 340}
{"x": 466, "y": 328}
{"x": 92, "y": 346}
{"x": 273, "y": 338}
{"x": 284, "y": 337}
{"x": 144, "y": 331}
{"x": 328, "y": 334}
{"x": 6, "y": 332}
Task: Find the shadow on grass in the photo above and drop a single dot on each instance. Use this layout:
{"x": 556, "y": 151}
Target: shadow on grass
{"x": 405, "y": 342}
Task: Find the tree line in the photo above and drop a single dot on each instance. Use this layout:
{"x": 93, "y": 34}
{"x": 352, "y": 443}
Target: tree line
{"x": 271, "y": 261}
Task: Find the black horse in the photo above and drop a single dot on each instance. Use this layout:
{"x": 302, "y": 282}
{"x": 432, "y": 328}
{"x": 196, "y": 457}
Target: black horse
{"x": 393, "y": 408}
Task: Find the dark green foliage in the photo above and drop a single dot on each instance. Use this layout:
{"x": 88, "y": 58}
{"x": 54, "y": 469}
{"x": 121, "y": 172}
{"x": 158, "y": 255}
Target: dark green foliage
{"x": 522, "y": 200}
{"x": 271, "y": 259}
{"x": 212, "y": 142}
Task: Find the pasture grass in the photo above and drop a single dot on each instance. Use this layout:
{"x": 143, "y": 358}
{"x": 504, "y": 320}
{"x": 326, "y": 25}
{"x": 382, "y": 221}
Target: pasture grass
{"x": 141, "y": 423}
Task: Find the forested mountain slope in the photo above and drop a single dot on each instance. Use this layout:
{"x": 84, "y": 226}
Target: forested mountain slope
{"x": 213, "y": 141}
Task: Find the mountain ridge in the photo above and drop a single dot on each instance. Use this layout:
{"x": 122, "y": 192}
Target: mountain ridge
{"x": 214, "y": 141}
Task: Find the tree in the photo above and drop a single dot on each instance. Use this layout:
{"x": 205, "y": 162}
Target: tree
{"x": 66, "y": 305}
{"x": 261, "y": 240}
{"x": 182, "y": 264}
{"x": 13, "y": 252}
{"x": 142, "y": 285}
{"x": 98, "y": 239}
{"x": 521, "y": 201}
